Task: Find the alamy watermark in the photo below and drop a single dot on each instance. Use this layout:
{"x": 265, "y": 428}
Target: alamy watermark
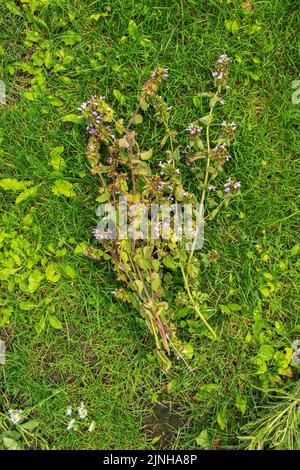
{"x": 173, "y": 222}
{"x": 2, "y": 352}
{"x": 2, "y": 92}
{"x": 296, "y": 94}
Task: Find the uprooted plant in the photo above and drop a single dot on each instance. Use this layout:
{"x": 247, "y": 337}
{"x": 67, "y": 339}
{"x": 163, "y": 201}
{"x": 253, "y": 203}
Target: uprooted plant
{"x": 160, "y": 273}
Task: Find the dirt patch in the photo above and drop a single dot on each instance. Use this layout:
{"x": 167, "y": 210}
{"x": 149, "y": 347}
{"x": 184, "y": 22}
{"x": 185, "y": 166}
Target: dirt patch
{"x": 163, "y": 423}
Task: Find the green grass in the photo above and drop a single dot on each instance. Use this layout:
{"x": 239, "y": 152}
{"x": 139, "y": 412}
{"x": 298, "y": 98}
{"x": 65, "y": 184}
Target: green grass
{"x": 103, "y": 354}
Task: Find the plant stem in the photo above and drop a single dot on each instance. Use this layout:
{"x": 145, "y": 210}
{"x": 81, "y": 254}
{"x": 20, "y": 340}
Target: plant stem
{"x": 196, "y": 308}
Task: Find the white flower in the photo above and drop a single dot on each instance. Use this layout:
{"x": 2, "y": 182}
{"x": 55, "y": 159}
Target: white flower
{"x": 92, "y": 426}
{"x": 69, "y": 411}
{"x": 71, "y": 424}
{"x": 15, "y": 416}
{"x": 82, "y": 411}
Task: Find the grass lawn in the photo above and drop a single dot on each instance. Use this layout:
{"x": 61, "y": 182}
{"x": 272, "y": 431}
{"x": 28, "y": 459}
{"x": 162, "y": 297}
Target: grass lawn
{"x": 68, "y": 338}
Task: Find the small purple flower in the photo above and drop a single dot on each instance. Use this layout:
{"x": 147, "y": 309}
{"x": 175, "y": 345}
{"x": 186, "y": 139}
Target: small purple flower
{"x": 215, "y": 73}
{"x": 211, "y": 187}
{"x": 237, "y": 185}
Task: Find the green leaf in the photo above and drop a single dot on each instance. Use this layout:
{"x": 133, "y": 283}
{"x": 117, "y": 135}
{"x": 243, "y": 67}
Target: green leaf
{"x": 12, "y": 7}
{"x": 71, "y": 118}
{"x": 11, "y": 184}
{"x": 142, "y": 169}
{"x": 63, "y": 188}
{"x": 121, "y": 98}
{"x": 26, "y": 194}
{"x": 138, "y": 119}
{"x": 80, "y": 249}
{"x": 222, "y": 419}
{"x": 265, "y": 291}
{"x": 266, "y": 352}
{"x": 133, "y": 30}
{"x": 232, "y": 26}
{"x": 155, "y": 282}
{"x": 146, "y": 155}
{"x": 213, "y": 101}
{"x": 30, "y": 425}
{"x": 203, "y": 440}
{"x": 139, "y": 285}
{"x": 295, "y": 250}
{"x": 51, "y": 273}
{"x": 103, "y": 197}
{"x": 206, "y": 391}
{"x": 241, "y": 404}
{"x": 54, "y": 101}
{"x": 11, "y": 444}
{"x": 70, "y": 38}
{"x": 169, "y": 262}
{"x": 34, "y": 280}
{"x": 196, "y": 101}
{"x": 55, "y": 322}
{"x": 27, "y": 306}
{"x": 206, "y": 120}
{"x": 69, "y": 271}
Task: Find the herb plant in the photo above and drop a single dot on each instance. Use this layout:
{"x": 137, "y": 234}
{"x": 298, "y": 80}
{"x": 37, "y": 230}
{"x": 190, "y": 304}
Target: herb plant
{"x": 159, "y": 275}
